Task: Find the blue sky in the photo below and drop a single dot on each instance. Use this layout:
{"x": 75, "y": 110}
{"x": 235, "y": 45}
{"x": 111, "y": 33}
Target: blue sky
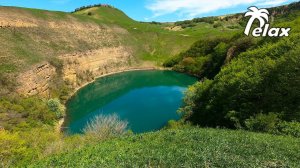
{"x": 154, "y": 10}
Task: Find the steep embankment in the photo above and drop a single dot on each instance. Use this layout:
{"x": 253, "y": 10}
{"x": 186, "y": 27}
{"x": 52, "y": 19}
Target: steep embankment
{"x": 35, "y": 40}
{"x": 185, "y": 148}
{"x": 82, "y": 45}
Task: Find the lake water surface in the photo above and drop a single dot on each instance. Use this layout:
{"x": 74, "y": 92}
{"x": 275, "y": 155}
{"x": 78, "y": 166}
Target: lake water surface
{"x": 146, "y": 99}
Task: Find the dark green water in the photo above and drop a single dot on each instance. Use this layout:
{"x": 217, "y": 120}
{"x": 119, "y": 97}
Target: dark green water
{"x": 146, "y": 99}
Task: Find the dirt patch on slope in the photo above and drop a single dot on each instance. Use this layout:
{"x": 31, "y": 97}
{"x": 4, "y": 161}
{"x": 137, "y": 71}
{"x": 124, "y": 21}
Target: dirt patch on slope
{"x": 4, "y": 22}
{"x": 174, "y": 28}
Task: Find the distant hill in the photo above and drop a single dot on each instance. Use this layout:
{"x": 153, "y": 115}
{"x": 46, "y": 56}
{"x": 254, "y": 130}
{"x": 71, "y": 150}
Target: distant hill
{"x": 279, "y": 11}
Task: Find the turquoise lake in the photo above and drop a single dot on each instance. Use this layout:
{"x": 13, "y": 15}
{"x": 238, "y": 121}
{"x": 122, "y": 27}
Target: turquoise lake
{"x": 147, "y": 100}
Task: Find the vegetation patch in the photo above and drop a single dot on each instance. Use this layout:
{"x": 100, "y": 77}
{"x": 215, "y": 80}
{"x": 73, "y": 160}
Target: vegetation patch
{"x": 188, "y": 148}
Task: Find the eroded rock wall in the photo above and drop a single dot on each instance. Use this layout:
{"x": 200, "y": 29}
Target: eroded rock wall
{"x": 80, "y": 68}
{"x": 36, "y": 80}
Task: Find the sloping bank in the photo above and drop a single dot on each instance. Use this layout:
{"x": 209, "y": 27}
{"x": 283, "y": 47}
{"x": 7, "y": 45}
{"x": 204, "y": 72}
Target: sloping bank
{"x": 193, "y": 147}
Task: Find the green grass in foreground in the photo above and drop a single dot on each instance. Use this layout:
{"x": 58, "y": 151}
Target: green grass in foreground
{"x": 185, "y": 148}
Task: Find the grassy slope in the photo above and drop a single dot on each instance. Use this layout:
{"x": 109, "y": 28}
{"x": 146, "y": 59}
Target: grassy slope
{"x": 26, "y": 46}
{"x": 187, "y": 148}
{"x": 161, "y": 42}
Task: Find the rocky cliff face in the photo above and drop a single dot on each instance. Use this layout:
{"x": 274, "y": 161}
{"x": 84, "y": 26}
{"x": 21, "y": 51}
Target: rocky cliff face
{"x": 88, "y": 45}
{"x": 87, "y": 49}
{"x": 36, "y": 80}
{"x": 80, "y": 68}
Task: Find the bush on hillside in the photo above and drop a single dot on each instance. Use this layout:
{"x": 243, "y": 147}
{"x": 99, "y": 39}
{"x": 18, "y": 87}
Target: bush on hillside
{"x": 56, "y": 107}
{"x": 26, "y": 146}
{"x": 104, "y": 127}
{"x": 288, "y": 128}
{"x": 23, "y": 113}
{"x": 58, "y": 64}
{"x": 263, "y": 122}
{"x": 204, "y": 58}
{"x": 192, "y": 23}
{"x": 156, "y": 23}
{"x": 217, "y": 24}
{"x": 272, "y": 123}
{"x": 209, "y": 20}
{"x": 7, "y": 83}
{"x": 12, "y": 150}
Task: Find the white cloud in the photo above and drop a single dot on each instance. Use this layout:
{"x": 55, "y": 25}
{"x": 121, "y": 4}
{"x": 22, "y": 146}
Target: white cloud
{"x": 192, "y": 8}
{"x": 271, "y": 3}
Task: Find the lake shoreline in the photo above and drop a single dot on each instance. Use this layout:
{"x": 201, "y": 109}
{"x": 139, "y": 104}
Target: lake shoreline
{"x": 60, "y": 123}
{"x": 147, "y": 99}
{"x": 116, "y": 72}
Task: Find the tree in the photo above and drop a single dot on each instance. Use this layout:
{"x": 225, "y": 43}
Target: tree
{"x": 56, "y": 107}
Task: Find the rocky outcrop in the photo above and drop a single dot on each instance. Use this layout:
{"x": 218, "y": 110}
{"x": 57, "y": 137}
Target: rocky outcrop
{"x": 80, "y": 68}
{"x": 36, "y": 80}
{"x": 230, "y": 54}
{"x": 6, "y": 23}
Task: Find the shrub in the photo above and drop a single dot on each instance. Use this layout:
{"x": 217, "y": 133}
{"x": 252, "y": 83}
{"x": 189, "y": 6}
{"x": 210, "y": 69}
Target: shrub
{"x": 64, "y": 93}
{"x": 13, "y": 149}
{"x": 58, "y": 64}
{"x": 185, "y": 24}
{"x": 204, "y": 58}
{"x": 104, "y": 127}
{"x": 217, "y": 24}
{"x": 289, "y": 128}
{"x": 172, "y": 61}
{"x": 56, "y": 107}
{"x": 7, "y": 83}
{"x": 24, "y": 147}
{"x": 209, "y": 20}
{"x": 156, "y": 23}
{"x": 263, "y": 122}
{"x": 272, "y": 124}
{"x": 23, "y": 113}
{"x": 172, "y": 124}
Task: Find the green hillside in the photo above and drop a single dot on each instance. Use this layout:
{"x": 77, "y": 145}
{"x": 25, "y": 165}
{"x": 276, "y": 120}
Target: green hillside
{"x": 245, "y": 84}
{"x": 193, "y": 147}
{"x": 249, "y": 83}
{"x": 30, "y": 45}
